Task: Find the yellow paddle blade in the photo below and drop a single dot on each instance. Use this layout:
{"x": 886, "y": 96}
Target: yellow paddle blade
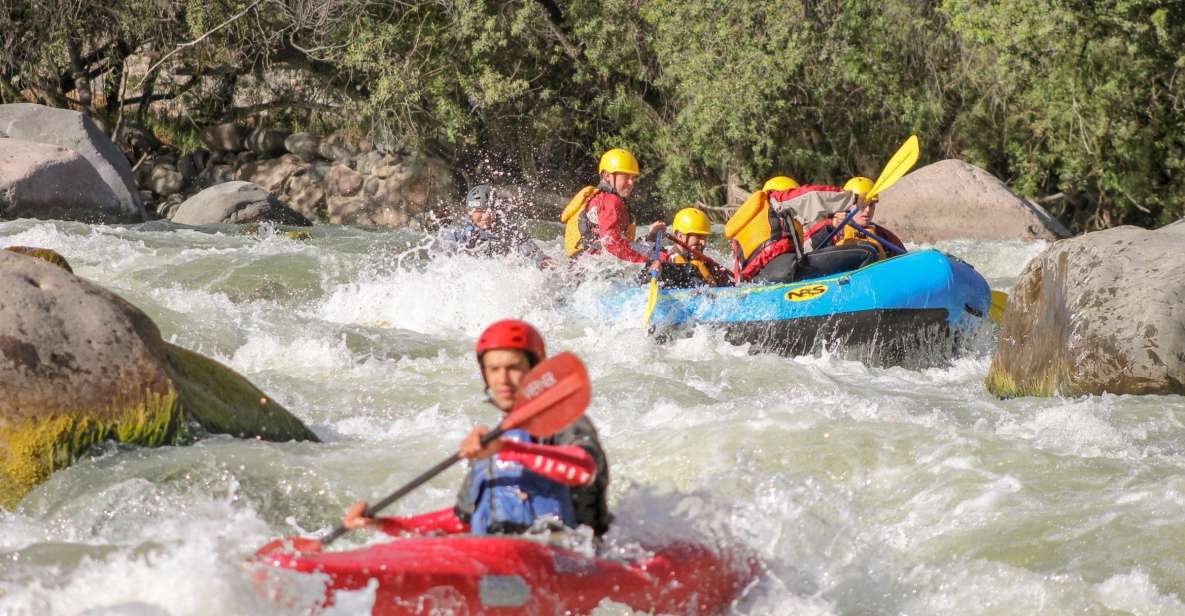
{"x": 650, "y": 303}
{"x": 897, "y": 166}
{"x": 999, "y": 301}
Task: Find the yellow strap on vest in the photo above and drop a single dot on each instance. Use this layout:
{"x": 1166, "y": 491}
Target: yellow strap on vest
{"x": 571, "y": 219}
{"x": 851, "y": 236}
{"x": 704, "y": 272}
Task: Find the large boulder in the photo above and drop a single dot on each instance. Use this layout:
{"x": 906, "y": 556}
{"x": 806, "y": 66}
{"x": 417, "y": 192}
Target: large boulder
{"x": 76, "y": 131}
{"x": 1102, "y": 312}
{"x": 235, "y": 203}
{"x": 39, "y": 180}
{"x": 79, "y": 366}
{"x": 952, "y": 199}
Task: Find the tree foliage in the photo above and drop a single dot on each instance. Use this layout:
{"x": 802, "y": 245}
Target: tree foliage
{"x": 1079, "y": 102}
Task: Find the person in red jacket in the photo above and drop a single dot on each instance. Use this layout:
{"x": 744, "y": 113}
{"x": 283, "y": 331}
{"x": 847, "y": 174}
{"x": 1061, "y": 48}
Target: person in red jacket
{"x": 565, "y": 476}
{"x": 597, "y": 218}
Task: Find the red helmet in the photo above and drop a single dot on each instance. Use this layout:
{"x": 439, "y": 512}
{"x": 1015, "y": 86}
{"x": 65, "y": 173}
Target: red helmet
{"x": 512, "y": 334}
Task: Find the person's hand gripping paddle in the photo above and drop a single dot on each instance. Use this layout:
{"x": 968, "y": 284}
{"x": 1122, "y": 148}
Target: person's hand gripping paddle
{"x": 552, "y": 395}
{"x": 903, "y": 160}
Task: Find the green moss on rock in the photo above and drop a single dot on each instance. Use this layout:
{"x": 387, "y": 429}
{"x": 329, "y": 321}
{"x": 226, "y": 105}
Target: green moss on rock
{"x": 32, "y": 450}
{"x": 224, "y": 402}
{"x": 45, "y": 254}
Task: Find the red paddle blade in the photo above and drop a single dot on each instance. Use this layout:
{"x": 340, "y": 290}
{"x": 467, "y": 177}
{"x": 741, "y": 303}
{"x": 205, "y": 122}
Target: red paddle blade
{"x": 302, "y": 545}
{"x": 551, "y": 396}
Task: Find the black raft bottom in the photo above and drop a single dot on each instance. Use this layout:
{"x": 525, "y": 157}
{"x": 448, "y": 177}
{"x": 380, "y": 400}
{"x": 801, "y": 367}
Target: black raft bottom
{"x": 916, "y": 337}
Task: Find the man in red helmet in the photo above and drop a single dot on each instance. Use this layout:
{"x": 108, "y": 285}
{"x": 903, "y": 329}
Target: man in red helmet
{"x": 516, "y": 483}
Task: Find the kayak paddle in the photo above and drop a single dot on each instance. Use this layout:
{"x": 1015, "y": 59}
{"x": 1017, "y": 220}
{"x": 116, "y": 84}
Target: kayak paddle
{"x": 550, "y": 397}
{"x": 653, "y": 299}
{"x": 901, "y": 162}
{"x": 705, "y": 258}
{"x": 999, "y": 301}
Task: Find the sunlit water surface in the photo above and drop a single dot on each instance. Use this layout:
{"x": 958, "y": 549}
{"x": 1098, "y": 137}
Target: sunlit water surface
{"x": 862, "y": 490}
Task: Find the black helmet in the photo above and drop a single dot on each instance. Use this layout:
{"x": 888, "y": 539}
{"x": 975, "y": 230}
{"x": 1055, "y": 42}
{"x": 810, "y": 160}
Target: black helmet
{"x": 480, "y": 197}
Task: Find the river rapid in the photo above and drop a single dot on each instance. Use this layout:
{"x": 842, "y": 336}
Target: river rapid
{"x": 861, "y": 490}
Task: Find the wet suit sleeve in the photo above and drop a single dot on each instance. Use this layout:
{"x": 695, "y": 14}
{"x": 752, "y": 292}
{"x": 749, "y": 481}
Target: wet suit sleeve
{"x": 612, "y": 221}
{"x": 591, "y": 502}
{"x": 566, "y": 464}
{"x": 444, "y": 521}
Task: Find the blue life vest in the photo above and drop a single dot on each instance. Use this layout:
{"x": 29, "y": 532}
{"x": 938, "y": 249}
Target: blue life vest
{"x": 509, "y": 498}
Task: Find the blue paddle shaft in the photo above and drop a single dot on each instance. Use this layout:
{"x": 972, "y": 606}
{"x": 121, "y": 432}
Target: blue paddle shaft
{"x": 878, "y": 238}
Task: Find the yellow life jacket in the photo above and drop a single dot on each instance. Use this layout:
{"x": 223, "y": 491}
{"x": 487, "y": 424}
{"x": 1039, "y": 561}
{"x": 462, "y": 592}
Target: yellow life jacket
{"x": 851, "y": 236}
{"x": 758, "y": 233}
{"x": 579, "y": 232}
{"x": 699, "y": 265}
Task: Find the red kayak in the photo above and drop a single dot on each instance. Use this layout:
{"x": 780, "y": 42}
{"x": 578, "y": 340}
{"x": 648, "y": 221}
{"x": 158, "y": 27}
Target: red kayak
{"x": 465, "y": 574}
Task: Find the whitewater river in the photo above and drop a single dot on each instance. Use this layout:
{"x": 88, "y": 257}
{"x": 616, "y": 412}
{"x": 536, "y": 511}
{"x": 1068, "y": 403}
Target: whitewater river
{"x": 862, "y": 490}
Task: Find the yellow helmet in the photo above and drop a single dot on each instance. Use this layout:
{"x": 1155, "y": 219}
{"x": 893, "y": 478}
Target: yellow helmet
{"x": 780, "y": 182}
{"x": 692, "y": 221}
{"x": 618, "y": 160}
{"x": 858, "y": 184}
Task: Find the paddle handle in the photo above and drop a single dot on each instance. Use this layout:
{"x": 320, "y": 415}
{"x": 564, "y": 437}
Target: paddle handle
{"x": 898, "y": 249}
{"x": 709, "y": 260}
{"x": 424, "y": 477}
{"x": 846, "y": 220}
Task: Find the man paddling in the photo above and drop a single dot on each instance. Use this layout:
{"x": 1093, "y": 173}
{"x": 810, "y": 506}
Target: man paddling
{"x": 515, "y": 484}
{"x": 855, "y": 234}
{"x": 488, "y": 232}
{"x": 597, "y": 218}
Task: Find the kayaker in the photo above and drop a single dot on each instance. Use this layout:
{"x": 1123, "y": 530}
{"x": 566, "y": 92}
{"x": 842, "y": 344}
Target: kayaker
{"x": 597, "y": 218}
{"x": 692, "y": 227}
{"x": 489, "y": 232}
{"x": 851, "y": 235}
{"x": 515, "y": 484}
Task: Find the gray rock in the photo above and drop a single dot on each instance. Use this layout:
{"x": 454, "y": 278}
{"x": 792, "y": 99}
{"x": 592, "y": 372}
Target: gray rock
{"x": 227, "y": 137}
{"x": 189, "y": 166}
{"x": 268, "y": 142}
{"x": 306, "y": 195}
{"x": 338, "y": 145}
{"x": 165, "y": 208}
{"x": 304, "y": 145}
{"x": 1102, "y": 312}
{"x": 367, "y": 162}
{"x": 422, "y": 185}
{"x": 951, "y": 199}
{"x": 271, "y": 174}
{"x": 343, "y": 181}
{"x": 79, "y": 365}
{"x": 236, "y": 203}
{"x": 216, "y": 174}
{"x": 39, "y": 180}
{"x": 76, "y": 131}
{"x": 165, "y": 181}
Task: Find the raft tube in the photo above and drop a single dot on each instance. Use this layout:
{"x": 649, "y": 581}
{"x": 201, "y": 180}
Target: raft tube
{"x": 896, "y": 308}
{"x": 506, "y": 575}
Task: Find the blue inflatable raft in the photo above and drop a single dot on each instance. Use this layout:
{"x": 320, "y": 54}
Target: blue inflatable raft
{"x": 889, "y": 311}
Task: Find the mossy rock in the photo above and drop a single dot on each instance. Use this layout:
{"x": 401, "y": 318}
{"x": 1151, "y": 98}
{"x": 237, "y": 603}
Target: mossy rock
{"x": 79, "y": 366}
{"x": 45, "y": 254}
{"x": 1098, "y": 313}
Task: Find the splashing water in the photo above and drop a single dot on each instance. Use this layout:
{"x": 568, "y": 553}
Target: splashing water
{"x": 862, "y": 490}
